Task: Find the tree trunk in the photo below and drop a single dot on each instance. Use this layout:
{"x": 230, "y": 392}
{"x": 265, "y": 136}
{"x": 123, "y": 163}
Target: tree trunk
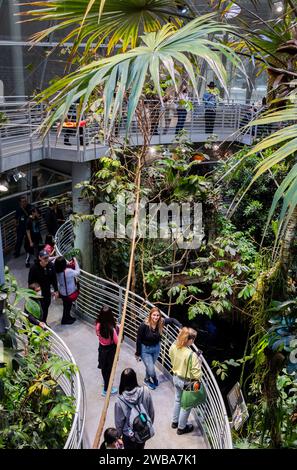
{"x": 287, "y": 242}
{"x": 275, "y": 362}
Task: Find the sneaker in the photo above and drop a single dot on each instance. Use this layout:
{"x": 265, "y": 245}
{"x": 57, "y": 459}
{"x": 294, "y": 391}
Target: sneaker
{"x": 174, "y": 425}
{"x": 188, "y": 428}
{"x": 149, "y": 384}
{"x": 103, "y": 393}
{"x": 114, "y": 390}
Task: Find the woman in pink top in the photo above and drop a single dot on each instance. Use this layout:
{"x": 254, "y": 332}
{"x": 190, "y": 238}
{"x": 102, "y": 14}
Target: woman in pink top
{"x": 107, "y": 332}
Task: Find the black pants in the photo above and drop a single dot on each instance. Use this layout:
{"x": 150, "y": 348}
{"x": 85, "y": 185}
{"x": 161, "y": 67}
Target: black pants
{"x": 19, "y": 241}
{"x": 72, "y": 132}
{"x": 44, "y": 304}
{"x": 105, "y": 361}
{"x": 33, "y": 250}
{"x": 181, "y": 118}
{"x": 210, "y": 117}
{"x": 66, "y": 308}
{"x": 130, "y": 444}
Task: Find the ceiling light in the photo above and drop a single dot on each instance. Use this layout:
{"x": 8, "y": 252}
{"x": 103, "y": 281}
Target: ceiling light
{"x": 233, "y": 11}
{"x": 182, "y": 9}
{"x": 279, "y": 7}
{"x": 3, "y": 188}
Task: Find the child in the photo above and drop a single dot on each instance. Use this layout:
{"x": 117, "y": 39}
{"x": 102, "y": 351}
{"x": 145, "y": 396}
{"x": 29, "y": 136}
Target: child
{"x": 111, "y": 440}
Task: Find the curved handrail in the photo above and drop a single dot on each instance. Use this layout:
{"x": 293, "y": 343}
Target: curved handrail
{"x": 95, "y": 292}
{"x": 8, "y": 229}
{"x": 72, "y": 386}
{"x": 20, "y": 132}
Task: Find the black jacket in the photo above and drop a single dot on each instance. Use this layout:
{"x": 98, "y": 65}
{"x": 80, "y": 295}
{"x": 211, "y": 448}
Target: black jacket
{"x": 45, "y": 277}
{"x": 149, "y": 337}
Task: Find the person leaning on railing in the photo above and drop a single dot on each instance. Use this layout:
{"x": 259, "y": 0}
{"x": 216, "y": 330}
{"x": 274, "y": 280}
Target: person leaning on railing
{"x": 180, "y": 354}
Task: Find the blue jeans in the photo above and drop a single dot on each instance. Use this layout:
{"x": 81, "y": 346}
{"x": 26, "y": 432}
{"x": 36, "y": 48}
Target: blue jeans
{"x": 180, "y": 415}
{"x": 149, "y": 355}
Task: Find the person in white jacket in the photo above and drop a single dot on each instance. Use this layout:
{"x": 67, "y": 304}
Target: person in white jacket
{"x": 67, "y": 286}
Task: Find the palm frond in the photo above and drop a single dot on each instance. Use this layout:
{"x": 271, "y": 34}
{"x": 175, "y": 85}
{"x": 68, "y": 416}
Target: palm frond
{"x": 125, "y": 74}
{"x": 108, "y": 22}
{"x": 286, "y": 139}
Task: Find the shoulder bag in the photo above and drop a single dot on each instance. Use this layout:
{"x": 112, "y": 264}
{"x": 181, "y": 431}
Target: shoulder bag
{"x": 193, "y": 393}
{"x": 73, "y": 296}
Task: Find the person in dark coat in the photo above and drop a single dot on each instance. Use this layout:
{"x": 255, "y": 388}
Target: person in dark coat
{"x": 21, "y": 216}
{"x": 43, "y": 273}
{"x": 54, "y": 218}
{"x": 33, "y": 238}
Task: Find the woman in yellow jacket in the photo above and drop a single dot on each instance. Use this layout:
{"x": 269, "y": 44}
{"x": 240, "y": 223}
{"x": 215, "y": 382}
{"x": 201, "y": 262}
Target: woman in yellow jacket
{"x": 179, "y": 354}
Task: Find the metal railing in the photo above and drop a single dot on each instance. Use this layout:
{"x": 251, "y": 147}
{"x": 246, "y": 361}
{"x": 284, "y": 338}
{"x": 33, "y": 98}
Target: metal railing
{"x": 72, "y": 386}
{"x": 8, "y": 227}
{"x": 19, "y": 134}
{"x": 95, "y": 292}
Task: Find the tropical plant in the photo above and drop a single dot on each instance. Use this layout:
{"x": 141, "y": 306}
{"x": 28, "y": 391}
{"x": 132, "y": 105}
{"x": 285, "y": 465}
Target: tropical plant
{"x": 115, "y": 23}
{"x": 282, "y": 334}
{"x": 285, "y": 140}
{"x": 123, "y": 76}
{"x": 215, "y": 286}
{"x": 252, "y": 211}
{"x": 35, "y": 412}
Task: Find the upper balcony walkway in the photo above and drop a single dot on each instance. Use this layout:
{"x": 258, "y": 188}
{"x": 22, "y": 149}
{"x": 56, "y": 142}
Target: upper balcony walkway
{"x": 20, "y": 144}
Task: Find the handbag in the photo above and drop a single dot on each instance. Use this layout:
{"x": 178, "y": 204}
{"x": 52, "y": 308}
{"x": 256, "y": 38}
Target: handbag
{"x": 193, "y": 393}
{"x": 73, "y": 296}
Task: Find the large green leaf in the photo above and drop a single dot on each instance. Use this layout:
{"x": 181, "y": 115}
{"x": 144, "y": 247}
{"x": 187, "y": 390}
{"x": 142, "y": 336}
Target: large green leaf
{"x": 33, "y": 308}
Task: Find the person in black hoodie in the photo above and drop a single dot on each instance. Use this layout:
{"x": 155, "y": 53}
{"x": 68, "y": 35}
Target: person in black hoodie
{"x": 148, "y": 343}
{"x": 43, "y": 273}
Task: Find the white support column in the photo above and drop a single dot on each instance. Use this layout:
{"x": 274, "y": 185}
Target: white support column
{"x": 82, "y": 230}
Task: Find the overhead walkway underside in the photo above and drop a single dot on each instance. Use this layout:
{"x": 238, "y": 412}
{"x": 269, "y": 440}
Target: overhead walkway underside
{"x": 83, "y": 343}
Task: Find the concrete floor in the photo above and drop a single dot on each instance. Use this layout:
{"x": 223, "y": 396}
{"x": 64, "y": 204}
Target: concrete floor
{"x": 83, "y": 343}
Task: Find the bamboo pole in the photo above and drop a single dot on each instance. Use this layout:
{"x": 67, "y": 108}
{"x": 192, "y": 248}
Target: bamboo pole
{"x": 117, "y": 354}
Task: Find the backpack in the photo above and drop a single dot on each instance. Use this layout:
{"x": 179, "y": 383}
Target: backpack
{"x": 139, "y": 421}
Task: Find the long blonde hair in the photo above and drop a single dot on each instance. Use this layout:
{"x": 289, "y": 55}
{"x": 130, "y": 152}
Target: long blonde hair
{"x": 160, "y": 323}
{"x": 184, "y": 336}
